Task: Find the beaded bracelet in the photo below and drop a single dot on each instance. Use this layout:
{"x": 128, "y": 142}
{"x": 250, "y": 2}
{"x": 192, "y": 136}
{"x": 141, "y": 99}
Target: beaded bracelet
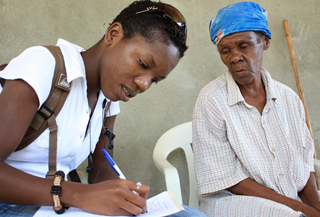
{"x": 56, "y": 192}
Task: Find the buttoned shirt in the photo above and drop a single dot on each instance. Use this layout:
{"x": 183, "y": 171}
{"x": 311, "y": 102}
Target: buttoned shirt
{"x": 36, "y": 66}
{"x": 232, "y": 141}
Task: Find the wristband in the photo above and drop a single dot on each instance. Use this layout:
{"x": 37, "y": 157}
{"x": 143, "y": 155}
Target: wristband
{"x": 56, "y": 192}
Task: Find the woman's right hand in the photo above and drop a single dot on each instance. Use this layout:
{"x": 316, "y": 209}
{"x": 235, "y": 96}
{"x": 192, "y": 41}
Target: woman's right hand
{"x": 114, "y": 197}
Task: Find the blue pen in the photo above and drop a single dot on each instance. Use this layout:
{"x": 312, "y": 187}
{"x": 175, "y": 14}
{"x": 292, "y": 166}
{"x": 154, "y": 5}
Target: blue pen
{"x": 113, "y": 164}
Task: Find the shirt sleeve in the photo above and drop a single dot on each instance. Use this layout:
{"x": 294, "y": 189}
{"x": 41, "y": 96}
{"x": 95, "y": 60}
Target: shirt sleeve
{"x": 114, "y": 109}
{"x": 306, "y": 143}
{"x": 216, "y": 164}
{"x": 35, "y": 66}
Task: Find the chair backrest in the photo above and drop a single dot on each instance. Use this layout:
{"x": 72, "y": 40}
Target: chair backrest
{"x": 177, "y": 137}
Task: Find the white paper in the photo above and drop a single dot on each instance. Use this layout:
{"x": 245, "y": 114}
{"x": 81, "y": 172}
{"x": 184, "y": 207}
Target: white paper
{"x": 162, "y": 204}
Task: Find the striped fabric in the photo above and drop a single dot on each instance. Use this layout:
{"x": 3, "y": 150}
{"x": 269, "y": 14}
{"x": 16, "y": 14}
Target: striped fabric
{"x": 233, "y": 141}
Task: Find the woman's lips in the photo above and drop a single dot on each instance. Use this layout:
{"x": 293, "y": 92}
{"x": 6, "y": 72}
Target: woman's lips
{"x": 128, "y": 93}
{"x": 239, "y": 71}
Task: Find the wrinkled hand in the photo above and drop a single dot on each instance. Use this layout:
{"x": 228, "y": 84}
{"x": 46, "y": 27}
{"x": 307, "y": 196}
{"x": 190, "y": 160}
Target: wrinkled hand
{"x": 312, "y": 211}
{"x": 114, "y": 197}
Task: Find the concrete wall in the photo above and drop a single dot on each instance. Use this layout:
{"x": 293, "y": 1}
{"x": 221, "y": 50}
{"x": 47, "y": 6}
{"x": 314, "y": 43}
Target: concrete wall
{"x": 144, "y": 119}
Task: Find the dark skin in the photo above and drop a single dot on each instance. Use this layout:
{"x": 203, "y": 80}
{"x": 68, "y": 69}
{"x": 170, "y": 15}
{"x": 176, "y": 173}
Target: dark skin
{"x": 243, "y": 57}
{"x": 242, "y": 53}
{"x": 106, "y": 172}
{"x": 142, "y": 63}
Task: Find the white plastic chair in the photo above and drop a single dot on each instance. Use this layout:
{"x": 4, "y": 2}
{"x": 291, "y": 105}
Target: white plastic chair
{"x": 177, "y": 137}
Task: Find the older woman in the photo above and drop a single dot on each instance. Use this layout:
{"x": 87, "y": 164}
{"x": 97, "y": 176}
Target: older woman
{"x": 253, "y": 150}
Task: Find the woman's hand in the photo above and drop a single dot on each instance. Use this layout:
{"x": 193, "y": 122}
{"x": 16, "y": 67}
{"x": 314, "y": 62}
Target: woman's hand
{"x": 114, "y": 197}
{"x": 310, "y": 195}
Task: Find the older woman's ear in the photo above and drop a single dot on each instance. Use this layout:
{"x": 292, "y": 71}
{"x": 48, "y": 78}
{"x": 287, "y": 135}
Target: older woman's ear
{"x": 267, "y": 43}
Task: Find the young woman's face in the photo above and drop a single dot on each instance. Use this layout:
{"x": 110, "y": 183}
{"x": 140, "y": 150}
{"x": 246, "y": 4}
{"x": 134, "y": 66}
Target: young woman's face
{"x": 131, "y": 66}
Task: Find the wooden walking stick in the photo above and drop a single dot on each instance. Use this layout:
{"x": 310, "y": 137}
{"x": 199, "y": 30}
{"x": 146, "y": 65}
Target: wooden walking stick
{"x": 300, "y": 90}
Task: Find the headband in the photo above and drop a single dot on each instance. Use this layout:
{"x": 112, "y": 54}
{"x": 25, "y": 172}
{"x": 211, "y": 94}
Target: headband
{"x": 238, "y": 17}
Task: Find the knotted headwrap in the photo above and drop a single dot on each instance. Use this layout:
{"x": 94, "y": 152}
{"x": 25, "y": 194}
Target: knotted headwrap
{"x": 238, "y": 17}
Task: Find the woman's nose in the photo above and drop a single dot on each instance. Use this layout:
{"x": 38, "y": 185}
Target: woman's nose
{"x": 143, "y": 83}
{"x": 236, "y": 56}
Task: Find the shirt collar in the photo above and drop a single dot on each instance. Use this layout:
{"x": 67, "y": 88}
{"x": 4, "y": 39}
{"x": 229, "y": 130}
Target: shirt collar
{"x": 72, "y": 59}
{"x": 269, "y": 85}
{"x": 235, "y": 96}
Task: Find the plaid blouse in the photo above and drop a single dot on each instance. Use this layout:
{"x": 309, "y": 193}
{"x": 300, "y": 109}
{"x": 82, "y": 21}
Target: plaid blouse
{"x": 232, "y": 141}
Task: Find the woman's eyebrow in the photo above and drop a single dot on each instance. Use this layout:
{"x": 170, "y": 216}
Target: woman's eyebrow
{"x": 152, "y": 59}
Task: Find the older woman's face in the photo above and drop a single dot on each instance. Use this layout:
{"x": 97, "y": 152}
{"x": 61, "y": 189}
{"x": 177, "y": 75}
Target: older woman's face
{"x": 242, "y": 53}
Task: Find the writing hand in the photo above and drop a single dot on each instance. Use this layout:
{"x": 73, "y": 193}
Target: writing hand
{"x": 114, "y": 197}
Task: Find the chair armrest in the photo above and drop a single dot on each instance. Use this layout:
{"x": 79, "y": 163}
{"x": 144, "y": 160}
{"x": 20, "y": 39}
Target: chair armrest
{"x": 171, "y": 176}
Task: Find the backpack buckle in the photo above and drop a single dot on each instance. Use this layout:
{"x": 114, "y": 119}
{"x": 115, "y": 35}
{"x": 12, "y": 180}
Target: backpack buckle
{"x": 45, "y": 112}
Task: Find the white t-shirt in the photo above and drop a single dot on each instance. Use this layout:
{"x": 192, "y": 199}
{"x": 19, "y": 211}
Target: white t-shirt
{"x": 36, "y": 66}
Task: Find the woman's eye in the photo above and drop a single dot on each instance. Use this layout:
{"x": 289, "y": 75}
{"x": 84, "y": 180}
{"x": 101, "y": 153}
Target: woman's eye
{"x": 143, "y": 64}
{"x": 244, "y": 46}
{"x": 154, "y": 80}
{"x": 224, "y": 51}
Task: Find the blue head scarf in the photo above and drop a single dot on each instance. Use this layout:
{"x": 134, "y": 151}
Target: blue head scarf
{"x": 238, "y": 17}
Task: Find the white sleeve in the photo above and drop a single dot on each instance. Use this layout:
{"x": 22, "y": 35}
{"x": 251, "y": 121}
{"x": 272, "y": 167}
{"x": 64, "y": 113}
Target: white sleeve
{"x": 114, "y": 108}
{"x": 35, "y": 66}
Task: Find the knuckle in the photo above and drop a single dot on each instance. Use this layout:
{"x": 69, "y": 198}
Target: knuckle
{"x": 147, "y": 187}
{"x": 119, "y": 190}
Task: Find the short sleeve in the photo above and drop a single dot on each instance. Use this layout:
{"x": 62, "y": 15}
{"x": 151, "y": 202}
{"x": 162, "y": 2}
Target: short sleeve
{"x": 216, "y": 164}
{"x": 307, "y": 143}
{"x": 35, "y": 66}
{"x": 114, "y": 109}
